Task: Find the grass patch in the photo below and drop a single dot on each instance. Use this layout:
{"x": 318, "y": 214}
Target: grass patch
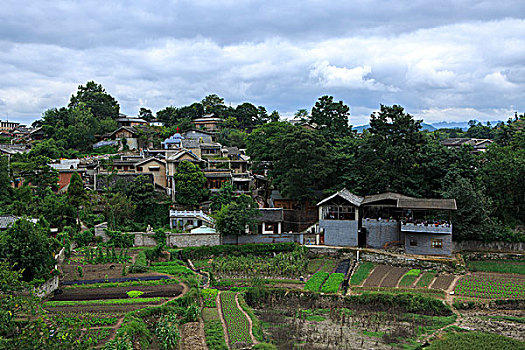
{"x": 332, "y": 283}
{"x": 314, "y": 265}
{"x": 175, "y": 270}
{"x": 509, "y": 318}
{"x": 316, "y": 281}
{"x": 213, "y": 329}
{"x": 426, "y": 279}
{"x": 101, "y": 302}
{"x": 329, "y": 266}
{"x": 361, "y": 273}
{"x": 501, "y": 266}
{"x": 373, "y": 334}
{"x": 315, "y": 318}
{"x": 475, "y": 340}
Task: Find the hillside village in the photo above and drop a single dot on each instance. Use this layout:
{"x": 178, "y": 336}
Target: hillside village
{"x": 213, "y": 227}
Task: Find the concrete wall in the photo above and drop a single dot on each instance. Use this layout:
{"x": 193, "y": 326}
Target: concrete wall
{"x": 424, "y": 244}
{"x": 380, "y": 232}
{"x": 479, "y": 246}
{"x": 339, "y": 232}
{"x": 275, "y": 238}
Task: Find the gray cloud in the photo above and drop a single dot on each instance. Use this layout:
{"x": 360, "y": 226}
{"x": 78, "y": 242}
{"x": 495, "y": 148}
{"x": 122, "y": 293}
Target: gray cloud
{"x": 450, "y": 60}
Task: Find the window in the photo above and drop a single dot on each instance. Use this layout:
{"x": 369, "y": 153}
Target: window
{"x": 413, "y": 242}
{"x": 437, "y": 243}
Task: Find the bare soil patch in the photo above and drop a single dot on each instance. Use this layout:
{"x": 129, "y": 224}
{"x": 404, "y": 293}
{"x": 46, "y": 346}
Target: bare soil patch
{"x": 443, "y": 282}
{"x": 376, "y": 276}
{"x": 99, "y": 271}
{"x": 192, "y": 336}
{"x": 166, "y": 290}
{"x": 394, "y": 275}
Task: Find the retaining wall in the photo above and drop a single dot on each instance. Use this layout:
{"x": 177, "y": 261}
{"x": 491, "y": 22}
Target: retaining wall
{"x": 479, "y": 246}
{"x": 277, "y": 238}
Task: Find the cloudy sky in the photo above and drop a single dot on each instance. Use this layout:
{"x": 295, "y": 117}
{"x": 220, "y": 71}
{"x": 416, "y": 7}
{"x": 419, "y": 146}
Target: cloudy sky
{"x": 441, "y": 60}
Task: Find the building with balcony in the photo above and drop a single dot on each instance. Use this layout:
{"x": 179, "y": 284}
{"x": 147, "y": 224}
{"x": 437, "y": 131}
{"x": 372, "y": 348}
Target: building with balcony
{"x": 421, "y": 226}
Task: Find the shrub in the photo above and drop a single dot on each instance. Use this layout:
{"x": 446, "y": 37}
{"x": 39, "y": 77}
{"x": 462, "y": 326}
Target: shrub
{"x": 134, "y": 293}
{"x": 261, "y": 249}
{"x": 140, "y": 265}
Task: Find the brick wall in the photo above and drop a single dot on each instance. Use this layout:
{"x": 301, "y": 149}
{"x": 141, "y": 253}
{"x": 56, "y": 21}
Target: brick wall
{"x": 424, "y": 246}
{"x": 339, "y": 232}
{"x": 380, "y": 232}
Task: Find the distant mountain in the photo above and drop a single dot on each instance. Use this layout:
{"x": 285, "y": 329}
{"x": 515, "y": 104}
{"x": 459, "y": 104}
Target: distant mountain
{"x": 462, "y": 125}
{"x": 425, "y": 126}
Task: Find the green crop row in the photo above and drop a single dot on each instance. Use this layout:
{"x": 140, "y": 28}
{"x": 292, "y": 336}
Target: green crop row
{"x": 361, "y": 273}
{"x": 492, "y": 288}
{"x": 236, "y": 322}
{"x": 175, "y": 270}
{"x": 316, "y": 281}
{"x": 332, "y": 283}
{"x": 426, "y": 279}
{"x": 475, "y": 340}
{"x": 101, "y": 302}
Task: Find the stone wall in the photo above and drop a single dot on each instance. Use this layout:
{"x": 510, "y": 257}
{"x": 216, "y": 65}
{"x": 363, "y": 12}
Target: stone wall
{"x": 47, "y": 287}
{"x": 339, "y": 232}
{"x": 193, "y": 239}
{"x": 479, "y": 246}
{"x": 380, "y": 232}
{"x": 143, "y": 239}
{"x": 405, "y": 261}
{"x": 276, "y": 238}
{"x": 424, "y": 245}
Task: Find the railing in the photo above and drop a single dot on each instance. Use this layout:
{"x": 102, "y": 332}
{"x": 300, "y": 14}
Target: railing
{"x": 430, "y": 228}
{"x": 190, "y": 213}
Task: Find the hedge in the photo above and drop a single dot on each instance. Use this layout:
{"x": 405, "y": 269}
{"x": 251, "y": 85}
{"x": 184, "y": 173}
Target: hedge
{"x": 260, "y": 249}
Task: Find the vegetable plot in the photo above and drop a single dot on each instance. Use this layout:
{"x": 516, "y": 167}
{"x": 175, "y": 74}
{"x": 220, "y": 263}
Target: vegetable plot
{"x": 209, "y": 296}
{"x": 332, "y": 283}
{"x": 492, "y": 288}
{"x": 316, "y": 281}
{"x": 236, "y": 323}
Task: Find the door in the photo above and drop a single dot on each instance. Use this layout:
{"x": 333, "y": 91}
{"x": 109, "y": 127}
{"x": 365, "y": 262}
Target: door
{"x": 361, "y": 238}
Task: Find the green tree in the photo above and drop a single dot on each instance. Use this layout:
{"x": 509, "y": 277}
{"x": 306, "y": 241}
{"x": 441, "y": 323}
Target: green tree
{"x": 5, "y": 181}
{"x": 213, "y": 104}
{"x": 118, "y": 209}
{"x": 101, "y": 104}
{"x": 222, "y": 197}
{"x": 29, "y": 247}
{"x": 76, "y": 194}
{"x": 189, "y": 184}
{"x": 237, "y": 217}
{"x": 146, "y": 114}
{"x": 331, "y": 117}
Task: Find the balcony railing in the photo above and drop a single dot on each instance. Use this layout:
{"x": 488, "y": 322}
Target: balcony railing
{"x": 427, "y": 228}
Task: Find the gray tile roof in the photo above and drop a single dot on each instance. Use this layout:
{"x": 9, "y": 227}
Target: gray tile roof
{"x": 7, "y": 220}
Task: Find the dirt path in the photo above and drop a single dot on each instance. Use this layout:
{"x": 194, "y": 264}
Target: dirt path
{"x": 224, "y": 329}
{"x": 254, "y": 341}
{"x": 449, "y": 300}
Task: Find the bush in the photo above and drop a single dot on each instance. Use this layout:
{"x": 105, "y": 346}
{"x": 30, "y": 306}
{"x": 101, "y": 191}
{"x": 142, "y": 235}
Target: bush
{"x": 84, "y": 238}
{"x": 140, "y": 265}
{"x": 134, "y": 293}
{"x": 262, "y": 249}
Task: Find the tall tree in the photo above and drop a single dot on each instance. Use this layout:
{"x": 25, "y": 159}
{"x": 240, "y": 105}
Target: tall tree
{"x": 76, "y": 194}
{"x": 238, "y": 217}
{"x": 146, "y": 114}
{"x": 222, "y": 197}
{"x": 29, "y": 247}
{"x": 213, "y": 104}
{"x": 5, "y": 181}
{"x": 331, "y": 117}
{"x": 189, "y": 184}
{"x": 101, "y": 104}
